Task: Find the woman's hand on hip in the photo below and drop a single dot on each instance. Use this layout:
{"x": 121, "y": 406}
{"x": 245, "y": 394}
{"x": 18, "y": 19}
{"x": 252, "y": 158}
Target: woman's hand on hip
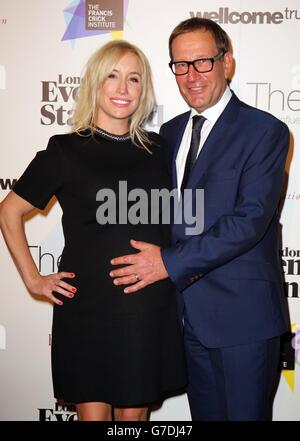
{"x": 46, "y": 285}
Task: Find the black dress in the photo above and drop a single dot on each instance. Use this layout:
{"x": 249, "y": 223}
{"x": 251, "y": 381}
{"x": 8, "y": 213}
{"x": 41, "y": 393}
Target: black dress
{"x": 123, "y": 349}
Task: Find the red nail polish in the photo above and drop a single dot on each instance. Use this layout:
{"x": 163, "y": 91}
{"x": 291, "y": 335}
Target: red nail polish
{"x": 71, "y": 295}
{"x": 74, "y": 289}
{"x": 60, "y": 303}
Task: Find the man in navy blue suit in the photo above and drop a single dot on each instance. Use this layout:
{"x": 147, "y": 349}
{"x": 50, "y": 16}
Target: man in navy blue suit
{"x": 228, "y": 277}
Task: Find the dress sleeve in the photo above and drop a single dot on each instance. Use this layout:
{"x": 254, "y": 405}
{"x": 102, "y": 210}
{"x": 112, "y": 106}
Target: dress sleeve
{"x": 43, "y": 177}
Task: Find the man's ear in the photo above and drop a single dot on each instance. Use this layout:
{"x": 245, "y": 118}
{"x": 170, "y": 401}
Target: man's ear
{"x": 228, "y": 65}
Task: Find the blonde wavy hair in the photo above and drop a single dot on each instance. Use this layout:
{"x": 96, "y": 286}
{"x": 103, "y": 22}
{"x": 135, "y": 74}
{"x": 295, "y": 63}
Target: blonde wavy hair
{"x": 97, "y": 70}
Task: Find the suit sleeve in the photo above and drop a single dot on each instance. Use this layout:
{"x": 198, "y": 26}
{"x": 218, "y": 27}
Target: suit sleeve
{"x": 233, "y": 235}
{"x": 161, "y": 130}
{"x": 43, "y": 177}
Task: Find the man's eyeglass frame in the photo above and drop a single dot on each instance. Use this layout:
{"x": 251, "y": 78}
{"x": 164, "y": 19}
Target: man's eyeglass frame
{"x": 192, "y": 63}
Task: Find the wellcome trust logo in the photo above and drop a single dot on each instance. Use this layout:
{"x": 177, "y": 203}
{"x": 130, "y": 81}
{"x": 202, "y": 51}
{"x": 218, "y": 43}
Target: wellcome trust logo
{"x": 87, "y": 18}
{"x": 226, "y": 15}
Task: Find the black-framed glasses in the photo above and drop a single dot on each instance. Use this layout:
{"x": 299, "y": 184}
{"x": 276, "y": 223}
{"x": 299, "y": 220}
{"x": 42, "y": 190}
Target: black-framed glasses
{"x": 201, "y": 65}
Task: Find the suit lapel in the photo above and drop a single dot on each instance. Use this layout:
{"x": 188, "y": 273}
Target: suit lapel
{"x": 215, "y": 139}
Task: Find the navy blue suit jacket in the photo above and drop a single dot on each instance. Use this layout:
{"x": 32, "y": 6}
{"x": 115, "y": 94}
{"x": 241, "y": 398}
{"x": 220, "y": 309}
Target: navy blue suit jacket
{"x": 229, "y": 277}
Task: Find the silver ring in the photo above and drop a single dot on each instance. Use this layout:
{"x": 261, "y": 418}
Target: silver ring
{"x": 136, "y": 277}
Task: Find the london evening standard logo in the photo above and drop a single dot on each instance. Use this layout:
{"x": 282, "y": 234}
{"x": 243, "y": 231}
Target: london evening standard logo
{"x": 226, "y": 15}
{"x": 291, "y": 267}
{"x": 60, "y": 412}
{"x": 87, "y": 18}
{"x": 290, "y": 344}
{"x": 58, "y": 96}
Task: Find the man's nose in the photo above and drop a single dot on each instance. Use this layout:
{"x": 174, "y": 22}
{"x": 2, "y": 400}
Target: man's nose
{"x": 192, "y": 73}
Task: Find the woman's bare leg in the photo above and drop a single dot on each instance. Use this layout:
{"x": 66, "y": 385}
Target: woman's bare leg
{"x": 131, "y": 413}
{"x": 94, "y": 411}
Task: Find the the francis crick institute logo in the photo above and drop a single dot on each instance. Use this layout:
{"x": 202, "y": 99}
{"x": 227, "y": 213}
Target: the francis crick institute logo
{"x": 87, "y": 18}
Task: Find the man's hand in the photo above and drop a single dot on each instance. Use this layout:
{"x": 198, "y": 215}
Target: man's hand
{"x": 143, "y": 268}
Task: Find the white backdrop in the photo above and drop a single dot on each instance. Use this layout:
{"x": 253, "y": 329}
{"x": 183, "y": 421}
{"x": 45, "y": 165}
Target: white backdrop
{"x": 39, "y": 72}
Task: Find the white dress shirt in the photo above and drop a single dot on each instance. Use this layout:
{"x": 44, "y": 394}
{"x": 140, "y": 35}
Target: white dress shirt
{"x": 211, "y": 114}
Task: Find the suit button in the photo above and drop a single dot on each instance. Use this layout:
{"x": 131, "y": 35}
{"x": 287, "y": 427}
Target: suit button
{"x": 177, "y": 242}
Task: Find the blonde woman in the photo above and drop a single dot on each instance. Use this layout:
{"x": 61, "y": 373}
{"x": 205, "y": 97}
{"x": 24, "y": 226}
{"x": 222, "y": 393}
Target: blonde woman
{"x": 113, "y": 354}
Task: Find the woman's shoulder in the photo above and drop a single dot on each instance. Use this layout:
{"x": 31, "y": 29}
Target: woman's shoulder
{"x": 69, "y": 140}
{"x": 156, "y": 140}
{"x": 65, "y": 138}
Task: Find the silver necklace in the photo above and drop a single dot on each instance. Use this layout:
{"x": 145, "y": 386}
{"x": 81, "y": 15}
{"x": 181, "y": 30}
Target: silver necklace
{"x": 110, "y": 136}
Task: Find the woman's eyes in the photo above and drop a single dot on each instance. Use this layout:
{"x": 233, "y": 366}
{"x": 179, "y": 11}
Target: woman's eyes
{"x": 134, "y": 79}
{"x": 113, "y": 75}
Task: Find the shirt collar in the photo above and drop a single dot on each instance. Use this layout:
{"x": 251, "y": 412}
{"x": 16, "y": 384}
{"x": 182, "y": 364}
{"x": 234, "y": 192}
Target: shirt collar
{"x": 213, "y": 113}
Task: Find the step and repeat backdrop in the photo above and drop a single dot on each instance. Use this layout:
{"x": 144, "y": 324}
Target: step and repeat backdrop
{"x": 43, "y": 48}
